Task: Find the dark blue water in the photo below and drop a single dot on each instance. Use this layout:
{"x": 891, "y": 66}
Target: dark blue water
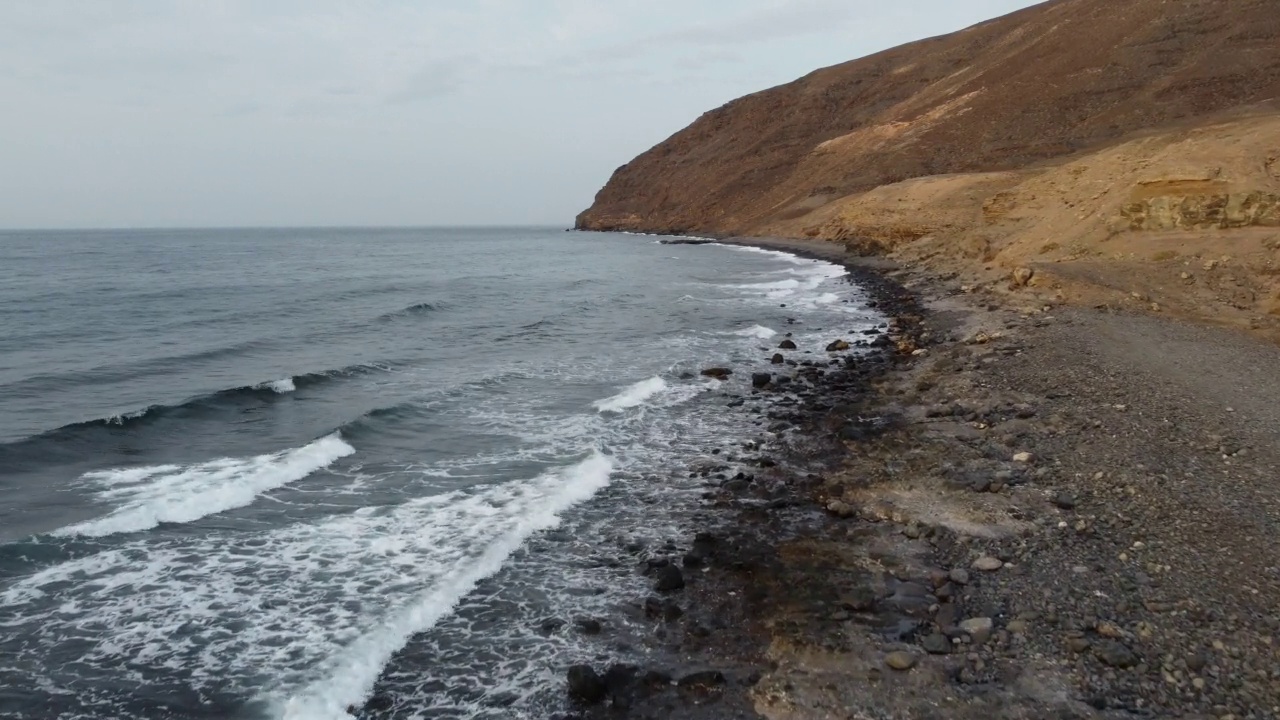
{"x": 258, "y": 473}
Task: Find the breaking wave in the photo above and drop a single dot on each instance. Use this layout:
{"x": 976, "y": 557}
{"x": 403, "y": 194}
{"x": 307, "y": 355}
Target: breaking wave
{"x": 632, "y": 396}
{"x": 148, "y": 496}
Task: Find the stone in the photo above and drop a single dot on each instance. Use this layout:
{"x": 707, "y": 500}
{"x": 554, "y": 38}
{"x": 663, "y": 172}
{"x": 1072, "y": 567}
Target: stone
{"x": 978, "y": 628}
{"x": 656, "y": 607}
{"x": 959, "y": 576}
{"x": 718, "y": 373}
{"x": 1064, "y": 500}
{"x": 1078, "y": 645}
{"x": 778, "y": 359}
{"x": 702, "y": 681}
{"x": 759, "y": 380}
{"x": 936, "y": 644}
{"x": 1116, "y": 654}
{"x": 838, "y": 346}
{"x": 900, "y": 660}
{"x": 589, "y": 626}
{"x": 585, "y": 684}
{"x": 841, "y": 509}
{"x": 986, "y": 563}
{"x": 668, "y": 579}
{"x": 1018, "y": 627}
{"x": 787, "y": 345}
{"x": 1023, "y": 457}
{"x": 1022, "y": 276}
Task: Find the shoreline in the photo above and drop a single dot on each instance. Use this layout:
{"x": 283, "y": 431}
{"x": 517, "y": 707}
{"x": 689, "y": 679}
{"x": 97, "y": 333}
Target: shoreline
{"x": 1016, "y": 529}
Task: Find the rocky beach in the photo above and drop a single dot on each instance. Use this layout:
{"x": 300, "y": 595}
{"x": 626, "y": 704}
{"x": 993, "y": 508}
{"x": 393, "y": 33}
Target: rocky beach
{"x": 1007, "y": 509}
{"x": 1052, "y": 490}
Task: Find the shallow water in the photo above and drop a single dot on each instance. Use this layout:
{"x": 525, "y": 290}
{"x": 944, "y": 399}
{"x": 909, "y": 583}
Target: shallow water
{"x": 257, "y": 473}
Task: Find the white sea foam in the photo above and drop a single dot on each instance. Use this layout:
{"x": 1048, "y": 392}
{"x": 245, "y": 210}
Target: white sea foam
{"x": 306, "y": 614}
{"x": 147, "y": 496}
{"x": 281, "y": 386}
{"x": 348, "y": 676}
{"x": 632, "y": 396}
{"x": 757, "y": 331}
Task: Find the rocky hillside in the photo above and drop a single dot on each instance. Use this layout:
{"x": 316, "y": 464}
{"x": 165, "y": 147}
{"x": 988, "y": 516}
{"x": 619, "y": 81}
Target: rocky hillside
{"x": 1045, "y": 82}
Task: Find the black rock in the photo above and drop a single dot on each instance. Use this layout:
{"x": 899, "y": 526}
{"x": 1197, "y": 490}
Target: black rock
{"x": 704, "y": 681}
{"x": 589, "y": 626}
{"x": 1115, "y": 654}
{"x": 936, "y": 644}
{"x": 585, "y": 684}
{"x": 777, "y": 359}
{"x": 760, "y": 380}
{"x": 550, "y": 625}
{"x": 1064, "y": 501}
{"x": 787, "y": 345}
{"x": 668, "y": 579}
{"x": 719, "y": 373}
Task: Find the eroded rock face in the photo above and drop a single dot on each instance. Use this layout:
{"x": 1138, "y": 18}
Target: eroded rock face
{"x": 1202, "y": 212}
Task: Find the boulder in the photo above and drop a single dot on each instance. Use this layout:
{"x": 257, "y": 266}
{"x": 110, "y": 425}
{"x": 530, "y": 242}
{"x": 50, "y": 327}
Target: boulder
{"x": 668, "y": 579}
{"x": 787, "y": 345}
{"x": 777, "y": 359}
{"x": 585, "y": 684}
{"x": 718, "y": 373}
{"x": 759, "y": 380}
{"x": 838, "y": 346}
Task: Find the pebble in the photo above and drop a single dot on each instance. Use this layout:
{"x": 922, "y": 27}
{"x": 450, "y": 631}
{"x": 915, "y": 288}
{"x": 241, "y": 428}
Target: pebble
{"x": 936, "y": 644}
{"x": 1023, "y": 457}
{"x": 1115, "y": 654}
{"x": 900, "y": 660}
{"x": 978, "y": 628}
{"x": 959, "y": 576}
{"x": 986, "y": 563}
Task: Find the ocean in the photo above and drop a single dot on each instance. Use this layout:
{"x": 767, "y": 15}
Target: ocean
{"x": 276, "y": 473}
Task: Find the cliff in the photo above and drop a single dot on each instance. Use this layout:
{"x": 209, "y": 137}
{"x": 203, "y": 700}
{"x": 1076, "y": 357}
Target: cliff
{"x": 1075, "y": 135}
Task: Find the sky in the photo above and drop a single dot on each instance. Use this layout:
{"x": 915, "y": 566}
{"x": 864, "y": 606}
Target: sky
{"x": 234, "y": 113}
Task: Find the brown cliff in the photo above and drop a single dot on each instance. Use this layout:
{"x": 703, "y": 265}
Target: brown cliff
{"x": 1077, "y": 134}
{"x": 1041, "y": 83}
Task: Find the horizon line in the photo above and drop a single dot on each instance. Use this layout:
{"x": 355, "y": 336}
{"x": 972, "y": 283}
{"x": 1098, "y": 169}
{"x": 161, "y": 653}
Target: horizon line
{"x": 162, "y": 228}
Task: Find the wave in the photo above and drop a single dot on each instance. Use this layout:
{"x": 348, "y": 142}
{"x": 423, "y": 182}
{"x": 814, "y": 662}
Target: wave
{"x": 317, "y": 609}
{"x": 148, "y": 496}
{"x": 632, "y": 395}
{"x": 348, "y": 677}
{"x": 421, "y": 308}
{"x": 757, "y": 331}
{"x": 265, "y": 391}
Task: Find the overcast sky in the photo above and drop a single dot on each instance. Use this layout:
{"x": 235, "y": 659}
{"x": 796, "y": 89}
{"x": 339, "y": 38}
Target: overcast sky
{"x": 144, "y": 113}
